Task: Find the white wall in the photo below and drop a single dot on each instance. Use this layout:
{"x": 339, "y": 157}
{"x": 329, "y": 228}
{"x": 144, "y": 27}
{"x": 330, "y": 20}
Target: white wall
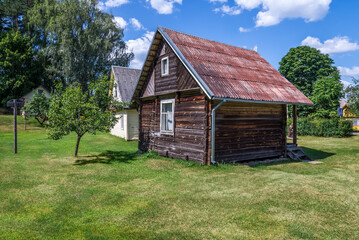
{"x": 130, "y": 125}
{"x": 117, "y": 130}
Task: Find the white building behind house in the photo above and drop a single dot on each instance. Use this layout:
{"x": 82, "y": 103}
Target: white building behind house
{"x": 40, "y": 89}
{"x": 125, "y": 80}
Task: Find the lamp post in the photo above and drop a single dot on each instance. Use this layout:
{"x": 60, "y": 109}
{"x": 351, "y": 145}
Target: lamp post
{"x": 15, "y": 104}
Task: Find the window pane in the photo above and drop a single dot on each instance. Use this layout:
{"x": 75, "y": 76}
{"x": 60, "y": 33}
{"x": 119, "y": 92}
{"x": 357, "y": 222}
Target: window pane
{"x": 166, "y": 107}
{"x": 164, "y": 126}
{"x": 121, "y": 122}
{"x": 164, "y": 66}
{"x": 169, "y": 122}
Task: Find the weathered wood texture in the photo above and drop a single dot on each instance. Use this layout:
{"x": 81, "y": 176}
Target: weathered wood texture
{"x": 168, "y": 83}
{"x": 149, "y": 87}
{"x": 246, "y": 131}
{"x": 188, "y": 141}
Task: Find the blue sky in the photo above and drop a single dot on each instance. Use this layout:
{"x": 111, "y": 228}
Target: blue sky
{"x": 270, "y": 26}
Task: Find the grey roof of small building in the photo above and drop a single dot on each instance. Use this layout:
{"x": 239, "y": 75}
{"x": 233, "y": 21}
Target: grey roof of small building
{"x": 126, "y": 80}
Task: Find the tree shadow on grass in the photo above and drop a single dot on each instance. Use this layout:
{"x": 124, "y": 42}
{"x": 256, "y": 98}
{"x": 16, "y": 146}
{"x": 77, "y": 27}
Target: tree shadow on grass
{"x": 107, "y": 157}
{"x": 315, "y": 154}
{"x": 312, "y": 153}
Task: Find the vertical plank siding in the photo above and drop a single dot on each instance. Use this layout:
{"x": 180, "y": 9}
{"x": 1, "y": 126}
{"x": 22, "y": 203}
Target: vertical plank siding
{"x": 246, "y": 131}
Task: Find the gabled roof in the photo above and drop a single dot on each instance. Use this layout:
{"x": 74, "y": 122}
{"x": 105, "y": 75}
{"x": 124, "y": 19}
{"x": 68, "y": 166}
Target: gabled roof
{"x": 225, "y": 72}
{"x": 30, "y": 93}
{"x": 126, "y": 79}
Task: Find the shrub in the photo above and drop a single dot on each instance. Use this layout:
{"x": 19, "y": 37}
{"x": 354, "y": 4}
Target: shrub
{"x": 333, "y": 127}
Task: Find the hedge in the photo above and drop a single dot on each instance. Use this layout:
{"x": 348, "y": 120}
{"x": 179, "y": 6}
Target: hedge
{"x": 333, "y": 127}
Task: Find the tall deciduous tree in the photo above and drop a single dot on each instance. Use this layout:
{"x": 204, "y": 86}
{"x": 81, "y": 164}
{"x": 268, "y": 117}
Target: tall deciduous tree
{"x": 327, "y": 92}
{"x": 18, "y": 66}
{"x": 352, "y": 92}
{"x": 79, "y": 41}
{"x": 75, "y": 111}
{"x": 304, "y": 65}
{"x": 13, "y": 14}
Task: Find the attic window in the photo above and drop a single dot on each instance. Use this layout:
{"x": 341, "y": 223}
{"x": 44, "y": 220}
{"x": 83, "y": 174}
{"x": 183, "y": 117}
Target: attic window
{"x": 167, "y": 116}
{"x": 40, "y": 91}
{"x": 164, "y": 66}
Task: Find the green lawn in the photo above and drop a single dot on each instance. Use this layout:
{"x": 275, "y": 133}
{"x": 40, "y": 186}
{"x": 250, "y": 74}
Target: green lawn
{"x": 110, "y": 192}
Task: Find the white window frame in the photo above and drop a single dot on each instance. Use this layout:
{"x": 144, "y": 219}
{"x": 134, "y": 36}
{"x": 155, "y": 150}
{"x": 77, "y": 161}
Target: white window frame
{"x": 168, "y": 132}
{"x": 166, "y": 71}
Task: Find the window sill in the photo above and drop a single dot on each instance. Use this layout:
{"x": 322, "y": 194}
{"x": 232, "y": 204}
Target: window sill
{"x": 167, "y": 133}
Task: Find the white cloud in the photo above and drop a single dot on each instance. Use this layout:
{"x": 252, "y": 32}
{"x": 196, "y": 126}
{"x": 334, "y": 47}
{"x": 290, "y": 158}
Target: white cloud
{"x": 101, "y": 6}
{"x": 225, "y": 9}
{"x": 349, "y": 72}
{"x": 255, "y": 48}
{"x": 217, "y": 1}
{"x": 273, "y": 12}
{"x": 120, "y": 22}
{"x": 277, "y": 10}
{"x": 164, "y": 6}
{"x": 140, "y": 48}
{"x": 242, "y": 29}
{"x": 248, "y": 4}
{"x": 136, "y": 24}
{"x": 345, "y": 83}
{"x": 330, "y": 46}
{"x": 115, "y": 3}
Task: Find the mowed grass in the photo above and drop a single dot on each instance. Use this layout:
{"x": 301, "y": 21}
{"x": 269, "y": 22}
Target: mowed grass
{"x": 110, "y": 192}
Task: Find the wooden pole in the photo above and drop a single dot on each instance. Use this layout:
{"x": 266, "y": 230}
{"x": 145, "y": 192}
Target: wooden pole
{"x": 284, "y": 129}
{"x": 295, "y": 124}
{"x": 15, "y": 126}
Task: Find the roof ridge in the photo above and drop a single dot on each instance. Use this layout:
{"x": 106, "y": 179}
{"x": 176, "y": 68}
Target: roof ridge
{"x": 206, "y": 39}
{"x": 125, "y": 67}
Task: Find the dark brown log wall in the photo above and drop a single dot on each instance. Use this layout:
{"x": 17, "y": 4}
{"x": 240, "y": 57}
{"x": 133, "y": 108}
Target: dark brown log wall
{"x": 246, "y": 131}
{"x": 188, "y": 141}
{"x": 168, "y": 83}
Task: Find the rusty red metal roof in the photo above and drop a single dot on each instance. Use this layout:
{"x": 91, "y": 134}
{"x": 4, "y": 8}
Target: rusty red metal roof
{"x": 235, "y": 73}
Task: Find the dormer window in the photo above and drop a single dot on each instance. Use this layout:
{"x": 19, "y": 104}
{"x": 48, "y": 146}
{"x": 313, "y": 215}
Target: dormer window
{"x": 164, "y": 66}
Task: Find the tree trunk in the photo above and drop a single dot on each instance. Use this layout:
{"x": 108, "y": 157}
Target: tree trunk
{"x": 77, "y": 144}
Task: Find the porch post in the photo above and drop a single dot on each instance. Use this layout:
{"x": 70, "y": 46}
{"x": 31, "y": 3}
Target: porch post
{"x": 295, "y": 124}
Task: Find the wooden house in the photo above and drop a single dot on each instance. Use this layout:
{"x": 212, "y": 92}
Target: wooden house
{"x": 209, "y": 102}
{"x": 124, "y": 81}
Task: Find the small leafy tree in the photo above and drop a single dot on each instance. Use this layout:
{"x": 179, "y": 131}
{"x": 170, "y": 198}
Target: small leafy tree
{"x": 38, "y": 106}
{"x": 76, "y": 111}
{"x": 327, "y": 92}
{"x": 352, "y": 92}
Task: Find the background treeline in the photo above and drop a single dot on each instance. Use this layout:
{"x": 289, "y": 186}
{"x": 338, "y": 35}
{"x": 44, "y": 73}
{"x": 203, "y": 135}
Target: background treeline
{"x": 56, "y": 43}
{"x": 315, "y": 75}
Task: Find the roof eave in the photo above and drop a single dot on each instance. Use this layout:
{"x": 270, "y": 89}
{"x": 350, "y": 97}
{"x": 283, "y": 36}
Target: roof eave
{"x": 143, "y": 66}
{"x": 258, "y": 101}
